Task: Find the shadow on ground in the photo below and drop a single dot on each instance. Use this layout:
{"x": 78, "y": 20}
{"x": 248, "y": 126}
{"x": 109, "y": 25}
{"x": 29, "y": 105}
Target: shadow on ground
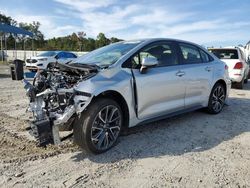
{"x": 192, "y": 132}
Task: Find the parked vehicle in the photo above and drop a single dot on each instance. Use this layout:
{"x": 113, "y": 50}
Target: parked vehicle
{"x": 108, "y": 90}
{"x": 46, "y": 59}
{"x": 237, "y": 65}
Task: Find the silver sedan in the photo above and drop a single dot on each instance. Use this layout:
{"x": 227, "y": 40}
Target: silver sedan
{"x": 136, "y": 82}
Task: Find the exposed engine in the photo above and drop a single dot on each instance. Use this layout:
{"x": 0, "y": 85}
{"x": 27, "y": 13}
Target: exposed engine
{"x": 54, "y": 102}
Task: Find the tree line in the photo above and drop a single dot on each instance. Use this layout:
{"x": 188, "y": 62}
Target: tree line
{"x": 77, "y": 41}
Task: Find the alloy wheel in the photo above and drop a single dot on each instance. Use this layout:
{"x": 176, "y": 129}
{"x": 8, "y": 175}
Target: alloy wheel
{"x": 218, "y": 98}
{"x": 106, "y": 127}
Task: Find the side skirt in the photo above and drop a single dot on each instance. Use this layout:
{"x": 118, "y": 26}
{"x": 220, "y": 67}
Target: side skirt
{"x": 169, "y": 115}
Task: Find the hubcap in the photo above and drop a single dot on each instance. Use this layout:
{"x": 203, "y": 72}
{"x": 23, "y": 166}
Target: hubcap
{"x": 106, "y": 127}
{"x": 218, "y": 99}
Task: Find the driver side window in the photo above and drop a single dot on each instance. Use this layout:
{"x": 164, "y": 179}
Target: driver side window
{"x": 164, "y": 52}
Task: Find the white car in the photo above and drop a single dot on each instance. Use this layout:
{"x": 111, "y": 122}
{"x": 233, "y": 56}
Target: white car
{"x": 45, "y": 59}
{"x": 237, "y": 65}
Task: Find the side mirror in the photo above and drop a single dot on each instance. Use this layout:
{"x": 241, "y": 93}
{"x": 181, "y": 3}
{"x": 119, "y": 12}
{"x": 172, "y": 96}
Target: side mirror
{"x": 148, "y": 62}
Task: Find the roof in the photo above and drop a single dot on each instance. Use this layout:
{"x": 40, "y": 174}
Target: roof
{"x": 12, "y": 29}
{"x": 225, "y": 48}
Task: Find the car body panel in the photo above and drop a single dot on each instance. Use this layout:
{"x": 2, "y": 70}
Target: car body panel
{"x": 197, "y": 80}
{"x": 159, "y": 91}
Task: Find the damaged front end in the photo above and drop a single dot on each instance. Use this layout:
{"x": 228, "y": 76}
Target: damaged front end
{"x": 54, "y": 101}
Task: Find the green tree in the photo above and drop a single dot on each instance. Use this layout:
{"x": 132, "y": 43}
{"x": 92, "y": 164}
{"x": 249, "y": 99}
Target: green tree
{"x": 113, "y": 40}
{"x": 73, "y": 42}
{"x": 101, "y": 40}
{"x": 38, "y": 37}
{"x": 7, "y": 20}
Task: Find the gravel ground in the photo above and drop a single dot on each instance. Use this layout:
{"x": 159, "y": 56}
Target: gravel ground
{"x": 191, "y": 150}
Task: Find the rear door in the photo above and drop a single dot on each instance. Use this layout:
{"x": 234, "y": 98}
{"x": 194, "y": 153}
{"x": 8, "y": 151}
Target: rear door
{"x": 161, "y": 89}
{"x": 198, "y": 68}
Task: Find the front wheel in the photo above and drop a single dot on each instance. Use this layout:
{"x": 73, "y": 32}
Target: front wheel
{"x": 98, "y": 128}
{"x": 216, "y": 99}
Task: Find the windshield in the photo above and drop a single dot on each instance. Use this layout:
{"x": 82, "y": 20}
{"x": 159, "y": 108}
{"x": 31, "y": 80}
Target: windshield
{"x": 47, "y": 54}
{"x": 107, "y": 55}
{"x": 225, "y": 53}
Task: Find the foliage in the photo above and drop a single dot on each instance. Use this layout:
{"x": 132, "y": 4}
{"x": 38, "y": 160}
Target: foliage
{"x": 74, "y": 42}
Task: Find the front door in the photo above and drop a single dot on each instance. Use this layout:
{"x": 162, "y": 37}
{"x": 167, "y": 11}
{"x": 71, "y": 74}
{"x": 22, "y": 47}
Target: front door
{"x": 161, "y": 89}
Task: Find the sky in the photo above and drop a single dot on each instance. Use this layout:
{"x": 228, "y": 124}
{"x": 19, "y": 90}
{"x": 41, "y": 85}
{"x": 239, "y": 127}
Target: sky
{"x": 206, "y": 22}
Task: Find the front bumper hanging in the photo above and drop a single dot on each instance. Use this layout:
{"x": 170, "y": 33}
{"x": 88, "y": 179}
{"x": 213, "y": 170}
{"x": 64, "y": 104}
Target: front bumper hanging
{"x": 42, "y": 131}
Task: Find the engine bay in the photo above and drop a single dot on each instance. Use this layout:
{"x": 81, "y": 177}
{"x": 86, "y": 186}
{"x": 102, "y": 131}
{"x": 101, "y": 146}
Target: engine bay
{"x": 54, "y": 102}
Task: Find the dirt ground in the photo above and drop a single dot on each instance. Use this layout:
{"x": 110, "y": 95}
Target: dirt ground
{"x": 190, "y": 150}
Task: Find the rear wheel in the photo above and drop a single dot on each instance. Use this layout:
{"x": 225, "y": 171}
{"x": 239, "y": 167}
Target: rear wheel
{"x": 216, "y": 99}
{"x": 246, "y": 80}
{"x": 98, "y": 128}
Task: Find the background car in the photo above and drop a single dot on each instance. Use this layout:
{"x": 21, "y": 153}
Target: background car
{"x": 45, "y": 59}
{"x": 237, "y": 65}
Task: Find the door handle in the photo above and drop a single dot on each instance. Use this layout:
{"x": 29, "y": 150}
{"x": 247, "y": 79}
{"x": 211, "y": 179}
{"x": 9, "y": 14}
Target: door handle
{"x": 208, "y": 69}
{"x": 180, "y": 73}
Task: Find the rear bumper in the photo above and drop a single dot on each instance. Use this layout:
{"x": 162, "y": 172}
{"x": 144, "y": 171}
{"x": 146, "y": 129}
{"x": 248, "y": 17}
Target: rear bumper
{"x": 236, "y": 76}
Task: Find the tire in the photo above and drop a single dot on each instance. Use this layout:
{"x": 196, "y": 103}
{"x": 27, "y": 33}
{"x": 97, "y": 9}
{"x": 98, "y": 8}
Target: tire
{"x": 246, "y": 80}
{"x": 97, "y": 130}
{"x": 239, "y": 85}
{"x": 216, "y": 99}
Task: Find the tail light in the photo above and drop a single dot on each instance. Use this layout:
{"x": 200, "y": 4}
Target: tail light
{"x": 238, "y": 65}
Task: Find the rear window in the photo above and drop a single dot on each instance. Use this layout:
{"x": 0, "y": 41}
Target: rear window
{"x": 225, "y": 53}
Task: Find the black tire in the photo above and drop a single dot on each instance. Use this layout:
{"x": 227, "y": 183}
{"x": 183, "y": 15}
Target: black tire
{"x": 245, "y": 81}
{"x": 216, "y": 99}
{"x": 239, "y": 85}
{"x": 83, "y": 128}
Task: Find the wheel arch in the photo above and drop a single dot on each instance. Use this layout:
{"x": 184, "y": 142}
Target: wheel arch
{"x": 221, "y": 81}
{"x": 116, "y": 96}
